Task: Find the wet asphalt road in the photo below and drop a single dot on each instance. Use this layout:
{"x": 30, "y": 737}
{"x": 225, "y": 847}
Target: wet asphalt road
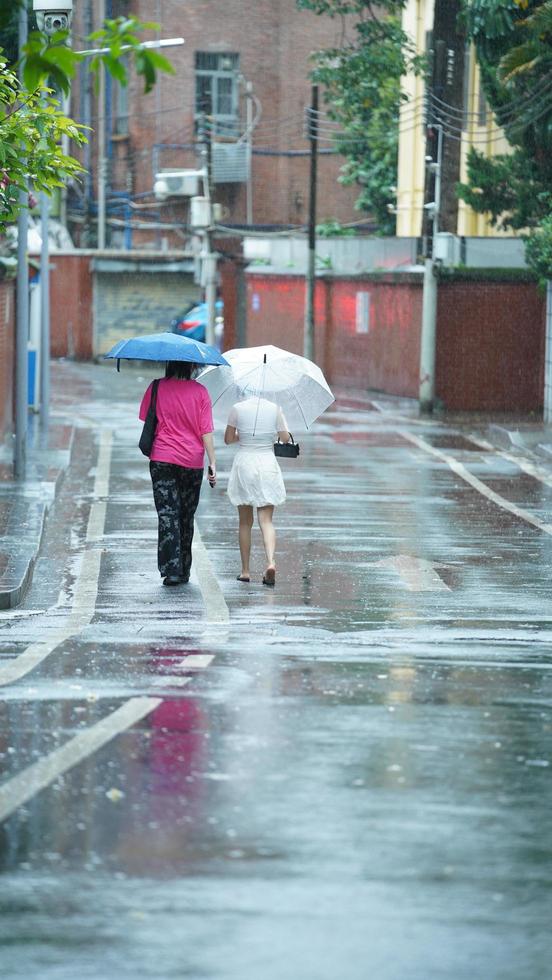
{"x": 346, "y": 777}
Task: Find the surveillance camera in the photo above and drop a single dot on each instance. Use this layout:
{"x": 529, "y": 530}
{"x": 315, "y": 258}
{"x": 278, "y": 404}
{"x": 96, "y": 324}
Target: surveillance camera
{"x": 53, "y": 15}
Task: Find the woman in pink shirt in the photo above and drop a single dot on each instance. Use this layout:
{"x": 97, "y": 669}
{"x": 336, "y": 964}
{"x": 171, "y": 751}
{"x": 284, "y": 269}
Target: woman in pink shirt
{"x": 183, "y": 434}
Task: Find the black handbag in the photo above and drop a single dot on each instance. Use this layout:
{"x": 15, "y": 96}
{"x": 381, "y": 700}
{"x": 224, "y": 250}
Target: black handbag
{"x": 148, "y": 432}
{"x": 288, "y": 449}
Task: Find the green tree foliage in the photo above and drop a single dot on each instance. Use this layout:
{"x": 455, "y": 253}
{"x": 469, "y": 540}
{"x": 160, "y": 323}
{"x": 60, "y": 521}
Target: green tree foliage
{"x": 538, "y": 249}
{"x": 513, "y": 40}
{"x": 32, "y": 122}
{"x": 362, "y": 91}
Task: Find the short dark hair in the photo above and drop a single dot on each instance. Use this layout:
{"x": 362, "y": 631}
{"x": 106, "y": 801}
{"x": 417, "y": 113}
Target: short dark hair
{"x": 184, "y": 370}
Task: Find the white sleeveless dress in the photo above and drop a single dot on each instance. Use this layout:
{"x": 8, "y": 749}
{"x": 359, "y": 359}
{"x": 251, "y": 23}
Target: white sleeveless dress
{"x": 256, "y": 478}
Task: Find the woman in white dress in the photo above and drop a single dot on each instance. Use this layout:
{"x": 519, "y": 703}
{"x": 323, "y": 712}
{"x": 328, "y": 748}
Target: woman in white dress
{"x": 256, "y": 478}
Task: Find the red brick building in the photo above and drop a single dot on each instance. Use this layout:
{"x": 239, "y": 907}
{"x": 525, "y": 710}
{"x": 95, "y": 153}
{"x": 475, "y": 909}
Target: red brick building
{"x": 245, "y": 68}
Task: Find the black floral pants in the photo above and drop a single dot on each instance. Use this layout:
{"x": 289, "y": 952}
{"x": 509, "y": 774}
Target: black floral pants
{"x": 176, "y": 492}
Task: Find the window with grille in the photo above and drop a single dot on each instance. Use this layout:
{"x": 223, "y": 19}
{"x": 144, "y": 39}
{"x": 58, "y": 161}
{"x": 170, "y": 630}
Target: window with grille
{"x": 216, "y": 93}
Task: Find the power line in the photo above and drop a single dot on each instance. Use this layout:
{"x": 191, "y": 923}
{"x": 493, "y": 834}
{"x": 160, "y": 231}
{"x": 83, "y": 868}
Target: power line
{"x": 513, "y": 108}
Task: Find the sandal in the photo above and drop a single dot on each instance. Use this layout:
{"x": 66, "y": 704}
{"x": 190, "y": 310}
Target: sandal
{"x": 243, "y": 578}
{"x": 269, "y": 577}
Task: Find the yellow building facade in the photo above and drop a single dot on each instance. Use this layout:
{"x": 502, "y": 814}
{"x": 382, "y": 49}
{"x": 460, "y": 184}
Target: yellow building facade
{"x": 478, "y": 128}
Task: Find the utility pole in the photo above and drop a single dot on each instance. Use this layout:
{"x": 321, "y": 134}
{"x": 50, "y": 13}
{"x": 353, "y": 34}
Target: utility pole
{"x": 442, "y": 173}
{"x": 308, "y": 340}
{"x": 22, "y": 325}
{"x": 102, "y": 161}
{"x": 44, "y": 313}
{"x": 211, "y": 260}
{"x": 208, "y": 257}
{"x": 249, "y": 130}
{"x": 449, "y": 48}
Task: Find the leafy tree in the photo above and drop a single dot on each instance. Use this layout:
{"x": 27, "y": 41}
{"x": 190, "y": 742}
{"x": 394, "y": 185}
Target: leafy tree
{"x": 538, "y": 249}
{"x": 513, "y": 41}
{"x": 31, "y": 127}
{"x": 32, "y": 122}
{"x": 362, "y": 91}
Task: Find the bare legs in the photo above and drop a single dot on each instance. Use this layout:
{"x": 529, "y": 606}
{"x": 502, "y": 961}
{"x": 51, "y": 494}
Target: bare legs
{"x": 264, "y": 516}
{"x": 246, "y": 523}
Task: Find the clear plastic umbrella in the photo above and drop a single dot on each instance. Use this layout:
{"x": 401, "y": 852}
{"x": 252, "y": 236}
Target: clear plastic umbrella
{"x": 292, "y": 382}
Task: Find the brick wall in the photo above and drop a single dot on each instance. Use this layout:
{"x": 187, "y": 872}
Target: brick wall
{"x": 7, "y": 355}
{"x": 71, "y": 305}
{"x": 274, "y": 41}
{"x": 490, "y": 351}
{"x": 490, "y": 336}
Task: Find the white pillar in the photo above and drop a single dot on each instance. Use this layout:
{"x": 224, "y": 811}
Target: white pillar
{"x": 427, "y": 347}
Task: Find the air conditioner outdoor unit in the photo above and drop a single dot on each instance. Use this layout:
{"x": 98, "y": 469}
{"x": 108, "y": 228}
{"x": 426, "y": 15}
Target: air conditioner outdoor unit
{"x": 177, "y": 183}
{"x": 231, "y": 162}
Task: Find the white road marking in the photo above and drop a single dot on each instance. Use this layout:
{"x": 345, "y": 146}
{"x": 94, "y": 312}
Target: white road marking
{"x": 213, "y": 598}
{"x": 21, "y": 788}
{"x": 170, "y": 680}
{"x": 418, "y": 574}
{"x": 86, "y": 589}
{"x": 477, "y": 484}
{"x": 196, "y": 661}
{"x": 96, "y": 521}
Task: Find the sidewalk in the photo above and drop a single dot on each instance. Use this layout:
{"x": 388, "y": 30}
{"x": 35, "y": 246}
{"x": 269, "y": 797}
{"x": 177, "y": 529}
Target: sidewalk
{"x": 25, "y": 504}
{"x": 506, "y": 431}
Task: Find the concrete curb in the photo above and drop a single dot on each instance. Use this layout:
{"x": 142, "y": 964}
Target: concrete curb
{"x": 533, "y": 440}
{"x": 28, "y": 504}
{"x": 13, "y": 596}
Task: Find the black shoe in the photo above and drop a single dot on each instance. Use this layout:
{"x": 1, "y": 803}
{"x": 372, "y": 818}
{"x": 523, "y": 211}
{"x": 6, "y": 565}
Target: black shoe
{"x": 172, "y": 580}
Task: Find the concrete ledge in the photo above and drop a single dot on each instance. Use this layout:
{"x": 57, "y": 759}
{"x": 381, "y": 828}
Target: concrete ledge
{"x": 23, "y": 552}
{"x": 24, "y": 507}
{"x": 529, "y": 438}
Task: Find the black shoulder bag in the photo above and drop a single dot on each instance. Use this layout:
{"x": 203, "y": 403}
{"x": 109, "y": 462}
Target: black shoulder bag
{"x": 148, "y": 432}
{"x": 288, "y": 449}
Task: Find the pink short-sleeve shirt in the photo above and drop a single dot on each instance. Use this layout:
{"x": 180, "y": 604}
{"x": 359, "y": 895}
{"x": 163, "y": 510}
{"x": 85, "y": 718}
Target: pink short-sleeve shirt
{"x": 184, "y": 415}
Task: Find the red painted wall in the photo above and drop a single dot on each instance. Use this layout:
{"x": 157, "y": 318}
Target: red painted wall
{"x": 386, "y": 358}
{"x": 490, "y": 336}
{"x": 71, "y": 305}
{"x": 490, "y": 350}
{"x": 7, "y": 355}
{"x": 275, "y": 313}
{"x": 228, "y": 284}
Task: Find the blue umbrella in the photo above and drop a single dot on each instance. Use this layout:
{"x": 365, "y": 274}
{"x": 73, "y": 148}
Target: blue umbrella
{"x": 165, "y": 347}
